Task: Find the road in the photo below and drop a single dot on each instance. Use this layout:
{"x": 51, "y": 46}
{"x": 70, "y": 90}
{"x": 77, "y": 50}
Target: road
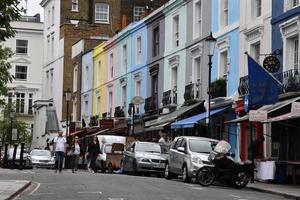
{"x": 84, "y": 185}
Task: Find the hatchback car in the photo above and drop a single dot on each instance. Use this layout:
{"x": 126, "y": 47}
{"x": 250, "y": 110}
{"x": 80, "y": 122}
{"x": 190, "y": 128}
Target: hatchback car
{"x": 41, "y": 158}
{"x": 187, "y": 155}
{"x": 144, "y": 157}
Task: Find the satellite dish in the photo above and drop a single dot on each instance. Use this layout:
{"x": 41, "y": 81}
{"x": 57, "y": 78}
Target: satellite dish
{"x": 137, "y": 100}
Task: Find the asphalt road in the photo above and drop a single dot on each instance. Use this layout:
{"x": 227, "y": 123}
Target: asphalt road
{"x": 83, "y": 185}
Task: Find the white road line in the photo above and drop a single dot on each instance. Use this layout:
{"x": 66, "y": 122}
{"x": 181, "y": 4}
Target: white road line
{"x": 115, "y": 199}
{"x": 36, "y": 188}
{"x": 196, "y": 188}
{"x": 89, "y": 192}
{"x": 234, "y": 196}
{"x": 45, "y": 193}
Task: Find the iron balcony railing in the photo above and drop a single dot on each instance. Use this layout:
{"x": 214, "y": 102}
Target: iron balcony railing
{"x": 151, "y": 104}
{"x": 170, "y": 97}
{"x": 192, "y": 91}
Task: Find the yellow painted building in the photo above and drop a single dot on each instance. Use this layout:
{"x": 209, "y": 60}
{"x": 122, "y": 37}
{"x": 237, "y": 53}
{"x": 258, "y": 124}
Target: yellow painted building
{"x": 99, "y": 60}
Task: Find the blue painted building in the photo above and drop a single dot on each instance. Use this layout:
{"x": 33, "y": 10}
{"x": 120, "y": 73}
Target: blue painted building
{"x": 225, "y": 28}
{"x": 87, "y": 86}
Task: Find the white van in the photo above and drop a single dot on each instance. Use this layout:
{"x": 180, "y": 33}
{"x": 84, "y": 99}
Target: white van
{"x": 105, "y": 142}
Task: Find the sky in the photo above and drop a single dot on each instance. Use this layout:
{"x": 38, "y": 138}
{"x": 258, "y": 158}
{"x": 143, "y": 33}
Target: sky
{"x": 33, "y": 7}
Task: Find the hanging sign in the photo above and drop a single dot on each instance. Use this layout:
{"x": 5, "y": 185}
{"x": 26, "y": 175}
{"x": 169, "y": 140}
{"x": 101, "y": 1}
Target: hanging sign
{"x": 258, "y": 115}
{"x": 271, "y": 63}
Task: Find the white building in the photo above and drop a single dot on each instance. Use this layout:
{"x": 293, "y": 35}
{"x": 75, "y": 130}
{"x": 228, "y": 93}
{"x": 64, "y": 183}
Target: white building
{"x": 27, "y": 63}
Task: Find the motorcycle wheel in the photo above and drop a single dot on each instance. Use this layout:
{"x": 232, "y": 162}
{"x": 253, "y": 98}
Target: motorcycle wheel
{"x": 205, "y": 176}
{"x": 241, "y": 181}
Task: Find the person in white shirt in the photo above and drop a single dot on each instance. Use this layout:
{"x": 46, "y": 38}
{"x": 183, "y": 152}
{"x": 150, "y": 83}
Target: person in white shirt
{"x": 59, "y": 147}
{"x": 75, "y": 154}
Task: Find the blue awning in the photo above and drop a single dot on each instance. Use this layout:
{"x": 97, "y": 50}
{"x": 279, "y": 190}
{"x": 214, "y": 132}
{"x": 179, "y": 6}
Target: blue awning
{"x": 189, "y": 122}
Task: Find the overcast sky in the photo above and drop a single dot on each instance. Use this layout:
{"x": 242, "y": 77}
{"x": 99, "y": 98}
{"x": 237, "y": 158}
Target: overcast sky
{"x": 33, "y": 7}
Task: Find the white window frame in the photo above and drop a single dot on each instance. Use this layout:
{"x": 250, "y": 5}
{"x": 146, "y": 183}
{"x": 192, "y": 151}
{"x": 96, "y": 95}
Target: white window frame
{"x": 24, "y": 47}
{"x": 74, "y": 6}
{"x": 176, "y": 31}
{"x": 224, "y": 13}
{"x": 124, "y": 63}
{"x": 21, "y": 99}
{"x": 111, "y": 65}
{"x": 138, "y": 12}
{"x": 138, "y": 49}
{"x": 155, "y": 42}
{"x": 75, "y": 78}
{"x": 86, "y": 77}
{"x": 124, "y": 95}
{"x": 52, "y": 45}
{"x": 257, "y": 8}
{"x": 98, "y": 104}
{"x": 53, "y": 16}
{"x": 197, "y": 24}
{"x": 99, "y": 72}
{"x": 110, "y": 103}
{"x": 222, "y": 69}
{"x": 26, "y": 73}
{"x": 253, "y": 49}
{"x": 101, "y": 12}
{"x": 288, "y": 4}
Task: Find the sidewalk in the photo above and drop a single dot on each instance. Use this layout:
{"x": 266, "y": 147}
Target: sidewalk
{"x": 292, "y": 191}
{"x": 11, "y": 188}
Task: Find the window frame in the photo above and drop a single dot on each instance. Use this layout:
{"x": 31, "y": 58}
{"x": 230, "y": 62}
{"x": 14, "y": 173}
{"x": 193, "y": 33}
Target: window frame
{"x": 138, "y": 49}
{"x": 197, "y": 23}
{"x": 137, "y": 13}
{"x": 75, "y": 6}
{"x": 21, "y": 72}
{"x": 25, "y": 47}
{"x": 176, "y": 31}
{"x": 155, "y": 41}
{"x": 103, "y": 21}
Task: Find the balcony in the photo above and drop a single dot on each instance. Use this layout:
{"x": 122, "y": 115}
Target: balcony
{"x": 290, "y": 80}
{"x": 192, "y": 92}
{"x": 170, "y": 97}
{"x": 151, "y": 104}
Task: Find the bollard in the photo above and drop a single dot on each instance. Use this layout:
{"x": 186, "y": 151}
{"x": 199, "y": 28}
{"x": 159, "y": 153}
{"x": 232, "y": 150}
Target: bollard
{"x": 14, "y": 156}
{"x": 21, "y": 156}
{"x": 5, "y": 155}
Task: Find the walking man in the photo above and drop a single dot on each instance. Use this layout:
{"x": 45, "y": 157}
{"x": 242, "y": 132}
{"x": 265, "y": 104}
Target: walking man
{"x": 59, "y": 147}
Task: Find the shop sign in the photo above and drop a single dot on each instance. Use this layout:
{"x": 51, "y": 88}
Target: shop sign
{"x": 258, "y": 115}
{"x": 295, "y": 108}
{"x": 106, "y": 123}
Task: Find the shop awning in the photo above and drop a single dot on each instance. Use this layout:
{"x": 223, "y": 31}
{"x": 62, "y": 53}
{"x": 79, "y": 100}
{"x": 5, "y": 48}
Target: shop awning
{"x": 158, "y": 127}
{"x": 283, "y": 117}
{"x": 190, "y": 122}
{"x": 268, "y": 108}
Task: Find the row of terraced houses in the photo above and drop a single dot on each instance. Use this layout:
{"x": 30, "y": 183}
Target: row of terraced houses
{"x": 163, "y": 58}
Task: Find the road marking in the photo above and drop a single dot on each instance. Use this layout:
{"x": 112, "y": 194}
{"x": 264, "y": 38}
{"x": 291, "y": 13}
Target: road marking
{"x": 35, "y": 189}
{"x": 234, "y": 196}
{"x": 45, "y": 193}
{"x": 196, "y": 188}
{"x": 115, "y": 199}
{"x": 89, "y": 192}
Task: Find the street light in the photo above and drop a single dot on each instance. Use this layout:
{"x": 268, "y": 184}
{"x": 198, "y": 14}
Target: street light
{"x": 211, "y": 44}
{"x": 11, "y": 115}
{"x": 68, "y": 95}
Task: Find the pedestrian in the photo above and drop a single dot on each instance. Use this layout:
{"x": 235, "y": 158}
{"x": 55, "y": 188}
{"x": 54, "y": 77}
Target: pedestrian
{"x": 59, "y": 148}
{"x": 93, "y": 152}
{"x": 75, "y": 148}
{"x": 47, "y": 144}
{"x": 162, "y": 138}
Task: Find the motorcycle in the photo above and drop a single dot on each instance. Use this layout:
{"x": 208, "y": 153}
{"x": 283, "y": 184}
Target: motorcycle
{"x": 224, "y": 169}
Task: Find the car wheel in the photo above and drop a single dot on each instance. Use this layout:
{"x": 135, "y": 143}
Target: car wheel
{"x": 110, "y": 168}
{"x": 185, "y": 176}
{"x": 168, "y": 174}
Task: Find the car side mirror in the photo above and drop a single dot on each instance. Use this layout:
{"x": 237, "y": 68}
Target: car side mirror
{"x": 131, "y": 149}
{"x": 181, "y": 149}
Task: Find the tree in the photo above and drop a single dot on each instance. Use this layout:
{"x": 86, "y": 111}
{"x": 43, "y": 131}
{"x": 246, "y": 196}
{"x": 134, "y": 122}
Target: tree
{"x": 9, "y": 11}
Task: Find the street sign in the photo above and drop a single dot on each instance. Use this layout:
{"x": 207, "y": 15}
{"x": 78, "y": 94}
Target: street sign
{"x": 137, "y": 100}
{"x": 258, "y": 115}
{"x": 246, "y": 103}
{"x": 295, "y": 110}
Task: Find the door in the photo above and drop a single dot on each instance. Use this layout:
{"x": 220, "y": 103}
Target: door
{"x": 176, "y": 157}
{"x": 181, "y": 155}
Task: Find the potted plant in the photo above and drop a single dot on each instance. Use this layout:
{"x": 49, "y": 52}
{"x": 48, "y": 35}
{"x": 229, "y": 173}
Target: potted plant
{"x": 292, "y": 83}
{"x": 218, "y": 88}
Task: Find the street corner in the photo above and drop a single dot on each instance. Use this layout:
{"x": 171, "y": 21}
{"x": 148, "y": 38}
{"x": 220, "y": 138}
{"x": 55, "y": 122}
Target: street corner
{"x": 11, "y": 188}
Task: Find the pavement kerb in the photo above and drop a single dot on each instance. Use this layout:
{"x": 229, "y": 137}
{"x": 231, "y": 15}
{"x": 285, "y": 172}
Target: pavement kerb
{"x": 287, "y": 195}
{"x": 11, "y": 197}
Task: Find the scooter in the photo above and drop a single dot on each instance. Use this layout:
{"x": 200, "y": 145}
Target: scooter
{"x": 224, "y": 169}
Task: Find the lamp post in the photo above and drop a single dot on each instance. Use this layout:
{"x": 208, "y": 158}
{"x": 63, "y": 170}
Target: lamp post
{"x": 68, "y": 95}
{"x": 211, "y": 44}
{"x": 11, "y": 115}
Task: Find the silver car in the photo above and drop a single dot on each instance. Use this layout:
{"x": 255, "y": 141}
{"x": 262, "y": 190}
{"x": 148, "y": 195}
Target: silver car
{"x": 144, "y": 157}
{"x": 41, "y": 158}
{"x": 188, "y": 154}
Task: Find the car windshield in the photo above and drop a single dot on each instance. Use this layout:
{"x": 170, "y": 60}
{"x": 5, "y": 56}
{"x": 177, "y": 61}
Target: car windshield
{"x": 200, "y": 146}
{"x": 149, "y": 147}
{"x": 40, "y": 153}
{"x": 107, "y": 148}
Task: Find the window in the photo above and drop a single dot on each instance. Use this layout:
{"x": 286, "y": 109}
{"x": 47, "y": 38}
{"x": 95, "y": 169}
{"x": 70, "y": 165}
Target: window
{"x": 21, "y": 46}
{"x": 138, "y": 88}
{"x": 111, "y": 67}
{"x": 138, "y": 12}
{"x": 110, "y": 103}
{"x": 123, "y": 95}
{"x": 98, "y": 104}
{"x": 75, "y": 5}
{"x": 74, "y": 110}
{"x": 155, "y": 41}
{"x": 154, "y": 85}
{"x": 75, "y": 78}
{"x": 295, "y": 3}
{"x": 20, "y": 103}
{"x": 21, "y": 73}
{"x": 138, "y": 50}
{"x": 30, "y": 100}
{"x": 197, "y": 19}
{"x": 290, "y": 4}
{"x": 86, "y": 77}
{"x": 99, "y": 73}
{"x": 86, "y": 107}
{"x": 176, "y": 31}
{"x": 53, "y": 15}
{"x": 224, "y": 15}
{"x": 257, "y": 8}
{"x": 223, "y": 64}
{"x": 49, "y": 18}
{"x": 10, "y": 96}
{"x": 255, "y": 51}
{"x": 48, "y": 47}
{"x": 52, "y": 45}
{"x": 296, "y": 54}
{"x": 124, "y": 59}
{"x": 101, "y": 13}
{"x": 174, "y": 78}
{"x": 51, "y": 82}
{"x": 197, "y": 70}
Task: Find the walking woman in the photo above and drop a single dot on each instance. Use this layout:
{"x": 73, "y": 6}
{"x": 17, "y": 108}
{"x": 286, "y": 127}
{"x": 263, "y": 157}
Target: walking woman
{"x": 75, "y": 154}
{"x": 94, "y": 151}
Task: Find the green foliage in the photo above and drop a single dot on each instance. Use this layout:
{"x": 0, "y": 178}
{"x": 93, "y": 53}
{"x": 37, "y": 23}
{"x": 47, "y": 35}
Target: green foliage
{"x": 9, "y": 11}
{"x": 218, "y": 88}
{"x": 7, "y": 123}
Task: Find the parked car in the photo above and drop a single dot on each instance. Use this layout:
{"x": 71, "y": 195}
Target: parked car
{"x": 26, "y": 162}
{"x": 186, "y": 155}
{"x": 144, "y": 157}
{"x": 105, "y": 145}
{"x": 41, "y": 158}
